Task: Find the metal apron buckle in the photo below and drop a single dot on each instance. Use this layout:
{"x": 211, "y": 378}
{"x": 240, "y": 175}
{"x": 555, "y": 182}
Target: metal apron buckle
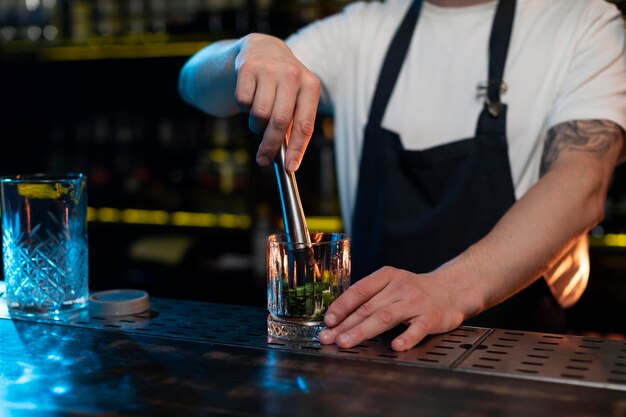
{"x": 494, "y": 107}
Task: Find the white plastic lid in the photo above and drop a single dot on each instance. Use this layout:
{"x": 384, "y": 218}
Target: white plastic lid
{"x": 119, "y": 302}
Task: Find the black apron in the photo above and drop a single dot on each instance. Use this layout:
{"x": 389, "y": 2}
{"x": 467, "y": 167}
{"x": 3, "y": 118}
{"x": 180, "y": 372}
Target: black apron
{"x": 416, "y": 210}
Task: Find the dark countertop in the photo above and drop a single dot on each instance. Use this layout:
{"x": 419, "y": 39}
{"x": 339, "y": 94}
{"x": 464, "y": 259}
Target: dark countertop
{"x": 193, "y": 359}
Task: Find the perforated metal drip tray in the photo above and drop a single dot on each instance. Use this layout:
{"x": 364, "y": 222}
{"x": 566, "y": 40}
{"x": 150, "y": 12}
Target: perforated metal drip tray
{"x": 571, "y": 359}
{"x": 556, "y": 358}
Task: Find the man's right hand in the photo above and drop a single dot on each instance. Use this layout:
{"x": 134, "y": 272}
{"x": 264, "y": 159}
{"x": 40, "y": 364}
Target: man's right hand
{"x": 281, "y": 95}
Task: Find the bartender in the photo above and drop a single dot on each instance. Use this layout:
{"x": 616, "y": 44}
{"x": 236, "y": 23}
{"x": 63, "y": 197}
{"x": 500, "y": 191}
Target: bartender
{"x": 475, "y": 143}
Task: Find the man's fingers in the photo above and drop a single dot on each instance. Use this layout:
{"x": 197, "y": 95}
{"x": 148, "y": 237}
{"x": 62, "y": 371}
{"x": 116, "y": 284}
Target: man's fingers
{"x": 381, "y": 320}
{"x": 362, "y": 313}
{"x": 260, "y": 115}
{"x": 245, "y": 90}
{"x": 355, "y": 296}
{"x": 418, "y": 329}
{"x": 280, "y": 121}
{"x": 303, "y": 122}
{"x": 262, "y": 105}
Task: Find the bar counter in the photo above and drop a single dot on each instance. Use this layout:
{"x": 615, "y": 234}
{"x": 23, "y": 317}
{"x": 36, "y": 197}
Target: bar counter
{"x": 189, "y": 358}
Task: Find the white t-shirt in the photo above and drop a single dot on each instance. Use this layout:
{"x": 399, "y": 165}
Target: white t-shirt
{"x": 566, "y": 61}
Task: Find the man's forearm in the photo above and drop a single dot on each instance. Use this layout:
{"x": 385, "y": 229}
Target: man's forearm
{"x": 565, "y": 203}
{"x": 207, "y": 81}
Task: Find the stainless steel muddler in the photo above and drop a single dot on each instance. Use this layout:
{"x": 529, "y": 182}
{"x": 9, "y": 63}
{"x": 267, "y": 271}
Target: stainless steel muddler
{"x": 302, "y": 265}
{"x": 296, "y": 229}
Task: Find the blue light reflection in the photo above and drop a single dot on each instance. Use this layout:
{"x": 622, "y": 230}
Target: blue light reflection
{"x": 60, "y": 389}
{"x": 274, "y": 381}
{"x": 302, "y": 384}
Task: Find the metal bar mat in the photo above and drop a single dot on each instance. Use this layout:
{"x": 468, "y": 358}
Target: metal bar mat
{"x": 557, "y": 358}
{"x": 577, "y": 360}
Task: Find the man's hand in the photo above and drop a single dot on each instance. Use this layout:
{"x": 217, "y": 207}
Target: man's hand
{"x": 281, "y": 94}
{"x": 387, "y": 298}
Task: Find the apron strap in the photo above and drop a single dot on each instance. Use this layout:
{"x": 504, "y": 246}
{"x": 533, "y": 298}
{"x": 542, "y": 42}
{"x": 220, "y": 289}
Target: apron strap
{"x": 393, "y": 63}
{"x": 399, "y": 46}
{"x": 498, "y": 50}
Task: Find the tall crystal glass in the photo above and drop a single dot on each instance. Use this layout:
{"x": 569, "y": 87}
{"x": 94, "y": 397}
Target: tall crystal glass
{"x": 44, "y": 244}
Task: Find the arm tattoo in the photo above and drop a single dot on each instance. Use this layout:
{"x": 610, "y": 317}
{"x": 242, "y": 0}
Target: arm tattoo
{"x": 595, "y": 137}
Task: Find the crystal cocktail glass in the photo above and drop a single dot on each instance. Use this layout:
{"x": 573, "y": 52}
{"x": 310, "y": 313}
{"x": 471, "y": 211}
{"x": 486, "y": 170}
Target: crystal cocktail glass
{"x": 302, "y": 281}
